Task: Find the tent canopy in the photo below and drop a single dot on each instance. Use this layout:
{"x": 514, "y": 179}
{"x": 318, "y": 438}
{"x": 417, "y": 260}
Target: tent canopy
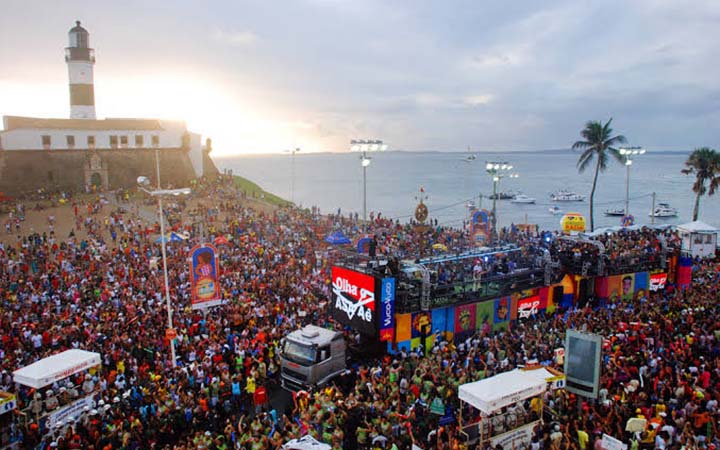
{"x": 56, "y": 367}
{"x": 306, "y": 442}
{"x": 494, "y": 393}
{"x": 697, "y": 227}
{"x": 337, "y": 238}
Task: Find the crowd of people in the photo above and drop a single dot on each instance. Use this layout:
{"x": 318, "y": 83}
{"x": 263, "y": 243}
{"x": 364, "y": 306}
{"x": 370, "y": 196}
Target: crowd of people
{"x": 100, "y": 289}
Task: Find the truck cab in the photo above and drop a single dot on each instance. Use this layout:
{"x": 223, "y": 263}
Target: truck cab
{"x": 311, "y": 357}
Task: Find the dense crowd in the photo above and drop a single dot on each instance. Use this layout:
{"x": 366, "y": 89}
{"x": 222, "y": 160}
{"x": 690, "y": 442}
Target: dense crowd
{"x": 103, "y": 292}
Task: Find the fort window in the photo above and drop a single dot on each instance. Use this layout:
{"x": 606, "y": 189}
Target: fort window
{"x": 123, "y": 141}
{"x": 91, "y": 141}
{"x": 155, "y": 140}
{"x": 138, "y": 140}
{"x": 46, "y": 141}
{"x": 70, "y": 141}
{"x": 113, "y": 141}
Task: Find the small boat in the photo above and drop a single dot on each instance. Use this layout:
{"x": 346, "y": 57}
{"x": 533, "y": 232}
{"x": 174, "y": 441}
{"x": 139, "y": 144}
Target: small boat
{"x": 565, "y": 195}
{"x": 555, "y": 210}
{"x": 502, "y": 196}
{"x": 469, "y": 158}
{"x": 522, "y": 198}
{"x": 663, "y": 210}
{"x": 470, "y": 204}
{"x": 615, "y": 212}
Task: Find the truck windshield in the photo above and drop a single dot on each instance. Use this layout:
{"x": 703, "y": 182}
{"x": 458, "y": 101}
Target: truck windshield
{"x": 299, "y": 353}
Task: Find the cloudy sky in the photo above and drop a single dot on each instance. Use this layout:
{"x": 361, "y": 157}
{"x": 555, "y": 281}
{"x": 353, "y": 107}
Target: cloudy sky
{"x": 260, "y": 76}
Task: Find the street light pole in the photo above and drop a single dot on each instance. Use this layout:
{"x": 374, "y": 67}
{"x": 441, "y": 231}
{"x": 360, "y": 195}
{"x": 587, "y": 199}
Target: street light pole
{"x": 159, "y": 193}
{"x": 496, "y": 170}
{"x": 292, "y": 173}
{"x": 366, "y": 146}
{"x": 629, "y": 152}
{"x": 164, "y": 257}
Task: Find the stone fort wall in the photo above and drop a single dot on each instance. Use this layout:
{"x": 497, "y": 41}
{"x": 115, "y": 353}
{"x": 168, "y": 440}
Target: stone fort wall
{"x": 26, "y": 171}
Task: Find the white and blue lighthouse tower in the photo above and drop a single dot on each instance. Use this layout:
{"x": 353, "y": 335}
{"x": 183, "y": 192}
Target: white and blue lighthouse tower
{"x": 80, "y": 59}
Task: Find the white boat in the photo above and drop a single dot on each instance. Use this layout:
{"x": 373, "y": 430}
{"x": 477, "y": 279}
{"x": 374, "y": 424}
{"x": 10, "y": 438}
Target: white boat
{"x": 555, "y": 210}
{"x": 522, "y": 198}
{"x": 615, "y": 212}
{"x": 663, "y": 210}
{"x": 565, "y": 195}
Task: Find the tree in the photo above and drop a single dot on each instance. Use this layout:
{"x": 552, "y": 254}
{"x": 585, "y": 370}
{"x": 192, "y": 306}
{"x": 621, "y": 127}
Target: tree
{"x": 598, "y": 143}
{"x": 704, "y": 162}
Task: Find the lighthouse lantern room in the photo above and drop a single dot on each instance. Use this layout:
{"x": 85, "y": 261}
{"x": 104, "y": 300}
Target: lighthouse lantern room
{"x": 80, "y": 59}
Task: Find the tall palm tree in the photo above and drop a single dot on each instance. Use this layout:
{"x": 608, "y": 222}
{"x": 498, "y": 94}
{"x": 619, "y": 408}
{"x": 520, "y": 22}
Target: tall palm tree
{"x": 704, "y": 162}
{"x": 597, "y": 143}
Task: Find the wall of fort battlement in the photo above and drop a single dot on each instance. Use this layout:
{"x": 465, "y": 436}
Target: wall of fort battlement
{"x": 26, "y": 171}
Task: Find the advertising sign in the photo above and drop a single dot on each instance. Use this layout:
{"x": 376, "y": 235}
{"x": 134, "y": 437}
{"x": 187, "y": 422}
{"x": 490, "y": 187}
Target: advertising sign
{"x": 74, "y": 409}
{"x": 204, "y": 271}
{"x": 528, "y": 307}
{"x": 353, "y": 300}
{"x": 480, "y": 226}
{"x": 517, "y": 438}
{"x": 657, "y": 281}
{"x": 387, "y": 309}
{"x": 572, "y": 223}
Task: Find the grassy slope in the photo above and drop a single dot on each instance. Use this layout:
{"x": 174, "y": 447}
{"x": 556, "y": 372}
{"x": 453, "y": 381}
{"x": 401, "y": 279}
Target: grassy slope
{"x": 253, "y": 190}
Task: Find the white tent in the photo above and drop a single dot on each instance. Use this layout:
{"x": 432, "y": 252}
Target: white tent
{"x": 491, "y": 394}
{"x": 56, "y": 367}
{"x": 698, "y": 238}
{"x": 306, "y": 443}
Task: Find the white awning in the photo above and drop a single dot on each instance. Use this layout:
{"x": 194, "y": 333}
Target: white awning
{"x": 491, "y": 394}
{"x": 56, "y": 367}
{"x": 306, "y": 443}
{"x": 697, "y": 226}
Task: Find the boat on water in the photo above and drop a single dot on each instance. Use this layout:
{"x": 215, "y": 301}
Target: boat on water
{"x": 522, "y": 198}
{"x": 566, "y": 195}
{"x": 555, "y": 210}
{"x": 502, "y": 196}
{"x": 469, "y": 158}
{"x": 615, "y": 212}
{"x": 663, "y": 210}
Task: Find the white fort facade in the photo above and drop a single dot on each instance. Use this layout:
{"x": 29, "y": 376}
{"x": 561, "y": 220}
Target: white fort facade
{"x": 83, "y": 132}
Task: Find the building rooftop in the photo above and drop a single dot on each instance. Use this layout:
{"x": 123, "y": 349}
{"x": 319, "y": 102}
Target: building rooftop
{"x": 17, "y": 122}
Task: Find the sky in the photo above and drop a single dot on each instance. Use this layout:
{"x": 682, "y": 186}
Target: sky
{"x": 259, "y": 76}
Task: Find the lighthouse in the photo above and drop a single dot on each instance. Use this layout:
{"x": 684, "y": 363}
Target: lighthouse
{"x": 80, "y": 59}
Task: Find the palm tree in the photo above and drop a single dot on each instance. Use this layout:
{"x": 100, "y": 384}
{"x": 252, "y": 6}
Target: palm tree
{"x": 704, "y": 162}
{"x": 598, "y": 143}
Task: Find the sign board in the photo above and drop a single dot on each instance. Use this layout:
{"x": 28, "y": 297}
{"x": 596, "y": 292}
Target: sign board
{"x": 657, "y": 281}
{"x": 387, "y": 309}
{"x": 204, "y": 276}
{"x": 582, "y": 363}
{"x": 8, "y": 402}
{"x": 353, "y": 300}
{"x": 74, "y": 410}
{"x": 480, "y": 226}
{"x": 517, "y": 438}
{"x": 572, "y": 223}
{"x": 559, "y": 355}
{"x": 610, "y": 443}
{"x": 437, "y": 406}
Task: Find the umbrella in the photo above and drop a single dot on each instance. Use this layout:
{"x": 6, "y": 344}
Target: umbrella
{"x": 173, "y": 237}
{"x": 221, "y": 240}
{"x": 439, "y": 246}
{"x": 337, "y": 238}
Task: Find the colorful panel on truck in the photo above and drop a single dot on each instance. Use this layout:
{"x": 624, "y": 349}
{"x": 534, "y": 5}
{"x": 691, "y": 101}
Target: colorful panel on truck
{"x": 353, "y": 300}
{"x": 485, "y": 315}
{"x": 387, "y": 309}
{"x": 441, "y": 321}
{"x": 502, "y": 313}
{"x": 464, "y": 320}
{"x": 641, "y": 285}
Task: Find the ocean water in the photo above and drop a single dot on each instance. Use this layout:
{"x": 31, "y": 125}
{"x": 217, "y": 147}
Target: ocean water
{"x": 333, "y": 181}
